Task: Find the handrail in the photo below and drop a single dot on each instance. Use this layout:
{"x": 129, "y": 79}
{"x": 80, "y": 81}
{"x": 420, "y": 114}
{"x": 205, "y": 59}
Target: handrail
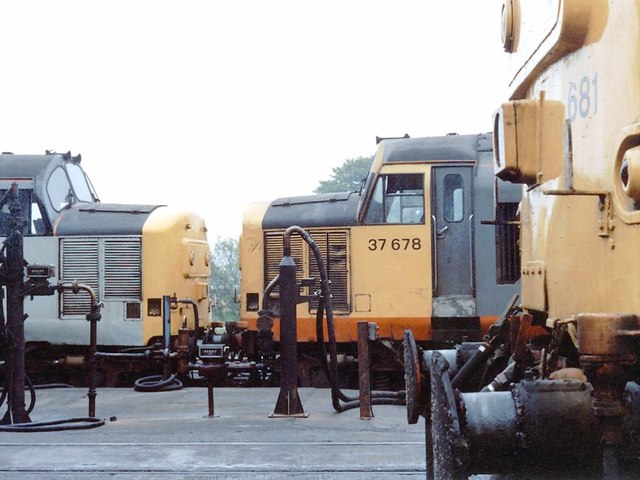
{"x": 434, "y": 249}
{"x": 472, "y": 264}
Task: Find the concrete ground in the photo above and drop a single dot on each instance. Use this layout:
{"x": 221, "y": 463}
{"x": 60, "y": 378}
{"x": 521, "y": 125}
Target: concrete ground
{"x": 169, "y": 435}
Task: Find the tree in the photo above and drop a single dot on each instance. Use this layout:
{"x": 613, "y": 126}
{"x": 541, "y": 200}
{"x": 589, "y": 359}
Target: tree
{"x": 225, "y": 280}
{"x": 347, "y": 177}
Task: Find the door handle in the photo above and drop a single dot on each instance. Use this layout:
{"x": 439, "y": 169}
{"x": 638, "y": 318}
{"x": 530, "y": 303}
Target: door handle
{"x": 440, "y": 233}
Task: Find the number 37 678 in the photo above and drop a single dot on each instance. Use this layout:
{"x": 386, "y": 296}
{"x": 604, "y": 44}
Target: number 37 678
{"x": 395, "y": 244}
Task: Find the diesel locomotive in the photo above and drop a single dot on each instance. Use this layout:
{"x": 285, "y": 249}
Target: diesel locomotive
{"x": 552, "y": 391}
{"x": 130, "y": 255}
{"x": 418, "y": 247}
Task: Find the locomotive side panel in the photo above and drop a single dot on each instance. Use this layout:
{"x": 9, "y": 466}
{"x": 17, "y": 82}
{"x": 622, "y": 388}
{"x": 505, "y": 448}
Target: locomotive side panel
{"x": 391, "y": 280}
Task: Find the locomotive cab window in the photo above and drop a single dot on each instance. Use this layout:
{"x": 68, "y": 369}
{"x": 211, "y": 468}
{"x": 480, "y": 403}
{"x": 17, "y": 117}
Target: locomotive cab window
{"x": 397, "y": 199}
{"x": 59, "y": 189}
{"x": 79, "y": 181}
{"x": 67, "y": 188}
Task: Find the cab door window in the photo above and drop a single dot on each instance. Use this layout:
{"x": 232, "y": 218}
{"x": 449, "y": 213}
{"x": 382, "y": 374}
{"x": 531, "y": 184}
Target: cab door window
{"x": 397, "y": 199}
{"x": 453, "y": 198}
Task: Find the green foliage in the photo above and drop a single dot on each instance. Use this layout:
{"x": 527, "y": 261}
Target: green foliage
{"x": 347, "y": 177}
{"x": 225, "y": 280}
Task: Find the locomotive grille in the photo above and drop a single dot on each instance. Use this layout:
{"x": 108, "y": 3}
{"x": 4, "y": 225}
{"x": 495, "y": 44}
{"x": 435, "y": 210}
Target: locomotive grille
{"x": 122, "y": 268}
{"x": 273, "y": 255}
{"x": 507, "y": 248}
{"x": 334, "y": 247}
{"x": 110, "y": 266}
{"x": 80, "y": 262}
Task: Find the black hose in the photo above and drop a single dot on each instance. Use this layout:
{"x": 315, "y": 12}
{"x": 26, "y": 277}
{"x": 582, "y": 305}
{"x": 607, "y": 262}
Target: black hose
{"x": 479, "y": 358}
{"x": 32, "y": 391}
{"x": 377, "y": 398}
{"x": 267, "y": 292}
{"x": 157, "y": 383}
{"x": 47, "y": 386}
{"x": 80, "y": 423}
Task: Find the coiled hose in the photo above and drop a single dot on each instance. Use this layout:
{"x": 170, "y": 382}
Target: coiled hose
{"x": 78, "y": 423}
{"x": 331, "y": 367}
{"x": 157, "y": 383}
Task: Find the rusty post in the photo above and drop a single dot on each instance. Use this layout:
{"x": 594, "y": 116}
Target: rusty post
{"x": 364, "y": 371}
{"x": 210, "y": 397}
{"x": 288, "y": 403}
{"x": 212, "y": 371}
{"x": 93, "y": 317}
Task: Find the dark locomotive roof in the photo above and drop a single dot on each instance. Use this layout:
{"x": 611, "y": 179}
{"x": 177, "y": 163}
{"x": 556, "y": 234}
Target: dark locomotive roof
{"x": 311, "y": 211}
{"x": 340, "y": 209}
{"x": 103, "y": 219}
{"x": 24, "y": 166}
{"x": 450, "y": 147}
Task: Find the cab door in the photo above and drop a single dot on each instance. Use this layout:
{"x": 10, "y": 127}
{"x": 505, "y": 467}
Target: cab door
{"x": 452, "y": 242}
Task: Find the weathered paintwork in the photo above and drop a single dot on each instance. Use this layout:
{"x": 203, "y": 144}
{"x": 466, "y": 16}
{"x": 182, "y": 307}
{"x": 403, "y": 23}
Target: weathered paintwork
{"x": 580, "y": 214}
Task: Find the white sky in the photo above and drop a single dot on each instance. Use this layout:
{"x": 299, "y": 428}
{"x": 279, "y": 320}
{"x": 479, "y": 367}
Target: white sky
{"x": 211, "y": 105}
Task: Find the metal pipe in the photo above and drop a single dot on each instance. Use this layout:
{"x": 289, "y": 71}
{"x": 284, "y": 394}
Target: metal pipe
{"x": 92, "y": 367}
{"x": 93, "y": 317}
{"x": 196, "y": 322}
{"x": 472, "y": 253}
{"x": 130, "y": 356}
{"x": 166, "y": 334}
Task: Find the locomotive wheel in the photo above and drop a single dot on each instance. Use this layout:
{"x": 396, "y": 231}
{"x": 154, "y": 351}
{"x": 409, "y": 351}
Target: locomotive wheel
{"x": 412, "y": 378}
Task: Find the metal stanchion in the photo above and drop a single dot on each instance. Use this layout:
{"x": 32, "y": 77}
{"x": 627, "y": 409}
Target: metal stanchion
{"x": 288, "y": 403}
{"x": 12, "y": 276}
{"x": 364, "y": 378}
